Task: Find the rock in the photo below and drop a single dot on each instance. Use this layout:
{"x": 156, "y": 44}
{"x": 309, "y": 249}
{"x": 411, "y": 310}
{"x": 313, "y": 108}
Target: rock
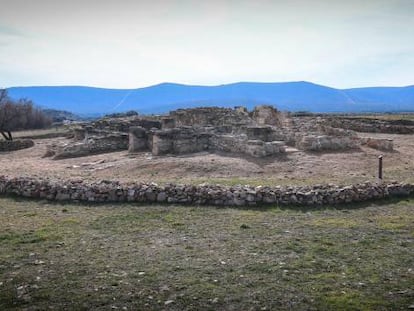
{"x": 161, "y": 197}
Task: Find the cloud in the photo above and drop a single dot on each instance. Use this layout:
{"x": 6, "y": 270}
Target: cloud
{"x": 11, "y": 31}
{"x": 136, "y": 43}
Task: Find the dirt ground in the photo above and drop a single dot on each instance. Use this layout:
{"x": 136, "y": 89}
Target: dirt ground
{"x": 295, "y": 167}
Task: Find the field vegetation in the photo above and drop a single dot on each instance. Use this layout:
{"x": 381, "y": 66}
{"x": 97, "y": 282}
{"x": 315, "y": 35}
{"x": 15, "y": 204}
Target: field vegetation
{"x": 157, "y": 257}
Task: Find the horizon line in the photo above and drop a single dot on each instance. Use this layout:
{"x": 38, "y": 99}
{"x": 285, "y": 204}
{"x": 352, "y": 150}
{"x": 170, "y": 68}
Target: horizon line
{"x": 204, "y": 85}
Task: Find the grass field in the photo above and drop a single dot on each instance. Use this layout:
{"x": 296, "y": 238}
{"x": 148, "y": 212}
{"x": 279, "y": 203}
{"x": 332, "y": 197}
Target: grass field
{"x": 128, "y": 257}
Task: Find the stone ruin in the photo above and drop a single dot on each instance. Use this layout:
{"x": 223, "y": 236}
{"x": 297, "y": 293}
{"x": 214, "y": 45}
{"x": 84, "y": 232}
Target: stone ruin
{"x": 260, "y": 133}
{"x": 105, "y": 135}
{"x": 211, "y": 129}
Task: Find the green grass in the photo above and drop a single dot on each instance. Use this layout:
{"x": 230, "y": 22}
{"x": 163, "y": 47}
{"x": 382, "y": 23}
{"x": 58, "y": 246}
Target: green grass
{"x": 152, "y": 257}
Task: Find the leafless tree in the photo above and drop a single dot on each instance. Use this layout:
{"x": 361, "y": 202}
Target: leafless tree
{"x": 18, "y": 115}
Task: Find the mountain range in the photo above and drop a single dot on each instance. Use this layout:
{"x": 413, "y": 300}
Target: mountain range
{"x": 160, "y": 98}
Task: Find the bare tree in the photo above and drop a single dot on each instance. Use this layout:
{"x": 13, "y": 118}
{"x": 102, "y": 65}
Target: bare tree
{"x": 18, "y": 115}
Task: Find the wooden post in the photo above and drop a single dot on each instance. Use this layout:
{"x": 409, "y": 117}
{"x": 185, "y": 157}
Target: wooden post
{"x": 380, "y": 167}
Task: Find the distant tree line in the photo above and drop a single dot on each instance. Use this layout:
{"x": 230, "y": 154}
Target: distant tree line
{"x": 19, "y": 115}
{"x": 129, "y": 113}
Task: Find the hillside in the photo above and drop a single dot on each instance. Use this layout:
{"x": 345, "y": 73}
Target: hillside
{"x": 292, "y": 96}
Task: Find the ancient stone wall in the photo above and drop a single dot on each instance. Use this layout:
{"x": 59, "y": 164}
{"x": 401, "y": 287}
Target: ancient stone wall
{"x": 112, "y": 191}
{"x": 17, "y": 144}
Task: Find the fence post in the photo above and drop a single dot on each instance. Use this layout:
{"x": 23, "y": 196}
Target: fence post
{"x": 380, "y": 167}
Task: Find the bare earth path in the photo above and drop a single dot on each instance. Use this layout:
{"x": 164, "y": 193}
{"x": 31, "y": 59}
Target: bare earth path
{"x": 295, "y": 167}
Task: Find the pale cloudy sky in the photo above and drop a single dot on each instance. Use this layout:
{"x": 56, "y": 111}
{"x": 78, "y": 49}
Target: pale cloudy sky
{"x": 127, "y": 44}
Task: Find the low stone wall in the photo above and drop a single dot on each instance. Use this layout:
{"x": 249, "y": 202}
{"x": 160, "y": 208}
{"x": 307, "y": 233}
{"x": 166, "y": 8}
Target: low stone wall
{"x": 91, "y": 145}
{"x": 12, "y": 145}
{"x": 112, "y": 191}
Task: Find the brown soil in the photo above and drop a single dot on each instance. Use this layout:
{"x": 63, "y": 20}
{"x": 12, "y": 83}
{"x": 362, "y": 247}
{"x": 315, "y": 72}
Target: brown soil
{"x": 295, "y": 167}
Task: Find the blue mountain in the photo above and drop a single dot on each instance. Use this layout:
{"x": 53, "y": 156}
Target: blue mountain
{"x": 292, "y": 96}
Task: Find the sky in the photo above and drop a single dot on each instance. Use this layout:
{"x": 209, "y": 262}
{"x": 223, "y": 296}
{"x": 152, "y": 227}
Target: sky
{"x": 137, "y": 43}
